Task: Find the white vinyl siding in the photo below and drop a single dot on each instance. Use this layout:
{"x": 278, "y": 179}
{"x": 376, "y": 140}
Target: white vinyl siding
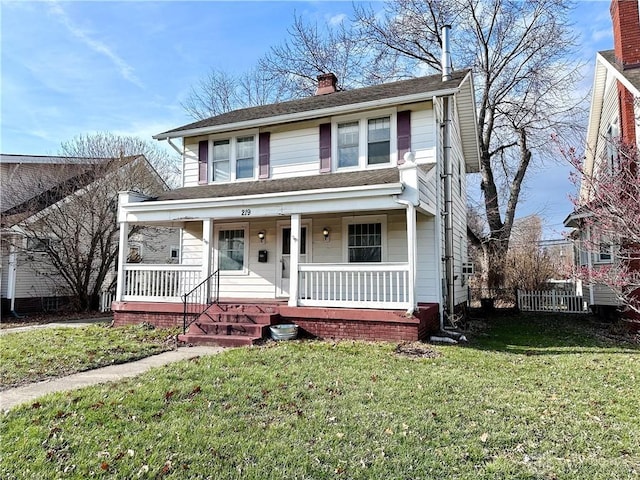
{"x": 458, "y": 184}
{"x": 295, "y": 153}
{"x": 427, "y": 260}
{"x": 423, "y": 142}
{"x": 609, "y": 117}
{"x": 190, "y": 162}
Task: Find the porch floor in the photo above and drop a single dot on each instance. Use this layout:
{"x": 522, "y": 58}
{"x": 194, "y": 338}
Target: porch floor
{"x": 236, "y": 322}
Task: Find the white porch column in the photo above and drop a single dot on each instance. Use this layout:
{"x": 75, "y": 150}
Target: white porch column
{"x": 412, "y": 254}
{"x": 207, "y": 245}
{"x": 123, "y": 250}
{"x": 294, "y": 259}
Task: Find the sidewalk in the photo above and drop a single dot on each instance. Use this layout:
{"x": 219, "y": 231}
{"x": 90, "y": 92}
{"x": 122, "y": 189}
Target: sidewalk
{"x": 62, "y": 323}
{"x": 15, "y": 396}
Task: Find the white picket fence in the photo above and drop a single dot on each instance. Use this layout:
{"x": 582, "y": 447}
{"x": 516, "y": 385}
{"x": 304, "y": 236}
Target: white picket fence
{"x": 550, "y": 301}
{"x": 106, "y": 297}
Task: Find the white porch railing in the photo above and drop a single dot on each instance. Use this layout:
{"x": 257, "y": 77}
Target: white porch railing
{"x": 365, "y": 285}
{"x": 159, "y": 283}
{"x": 550, "y": 301}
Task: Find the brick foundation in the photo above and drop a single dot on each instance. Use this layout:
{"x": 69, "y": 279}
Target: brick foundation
{"x": 328, "y": 323}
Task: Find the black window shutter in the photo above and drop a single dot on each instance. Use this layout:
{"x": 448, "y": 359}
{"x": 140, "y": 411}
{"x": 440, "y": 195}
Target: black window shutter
{"x": 203, "y": 161}
{"x": 264, "y": 155}
{"x": 325, "y": 147}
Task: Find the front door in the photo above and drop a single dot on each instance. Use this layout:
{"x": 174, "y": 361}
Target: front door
{"x": 283, "y": 261}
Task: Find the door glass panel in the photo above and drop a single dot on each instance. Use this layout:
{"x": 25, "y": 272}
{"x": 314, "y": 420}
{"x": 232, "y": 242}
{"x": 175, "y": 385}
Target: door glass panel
{"x": 286, "y": 241}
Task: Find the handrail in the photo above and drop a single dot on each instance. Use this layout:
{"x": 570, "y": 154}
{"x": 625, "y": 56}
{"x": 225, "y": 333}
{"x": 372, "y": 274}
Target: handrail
{"x": 214, "y": 299}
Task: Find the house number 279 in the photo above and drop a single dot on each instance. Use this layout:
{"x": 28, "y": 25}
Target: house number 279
{"x": 246, "y": 212}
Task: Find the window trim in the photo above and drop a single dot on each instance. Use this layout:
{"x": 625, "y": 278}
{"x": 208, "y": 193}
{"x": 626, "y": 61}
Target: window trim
{"x": 174, "y": 248}
{"x": 600, "y": 255}
{"x": 233, "y": 155}
{"x": 216, "y": 252}
{"x": 361, "y": 219}
{"x": 363, "y": 140}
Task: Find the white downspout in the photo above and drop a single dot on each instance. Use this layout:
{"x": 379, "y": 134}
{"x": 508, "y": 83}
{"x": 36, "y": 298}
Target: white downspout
{"x": 11, "y": 276}
{"x": 590, "y": 266}
{"x": 438, "y": 227}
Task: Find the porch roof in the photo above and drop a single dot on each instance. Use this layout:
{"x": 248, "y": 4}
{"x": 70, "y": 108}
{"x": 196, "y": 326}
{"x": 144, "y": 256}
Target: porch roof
{"x": 261, "y": 187}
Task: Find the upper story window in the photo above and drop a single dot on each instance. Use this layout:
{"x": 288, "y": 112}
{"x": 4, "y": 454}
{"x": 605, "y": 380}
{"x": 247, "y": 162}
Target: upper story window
{"x": 221, "y": 161}
{"x": 348, "y": 144}
{"x": 233, "y": 158}
{"x": 245, "y": 157}
{"x": 378, "y": 141}
{"x": 361, "y": 142}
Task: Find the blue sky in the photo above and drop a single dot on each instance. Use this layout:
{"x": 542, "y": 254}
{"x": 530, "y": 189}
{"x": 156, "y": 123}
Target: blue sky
{"x": 70, "y": 68}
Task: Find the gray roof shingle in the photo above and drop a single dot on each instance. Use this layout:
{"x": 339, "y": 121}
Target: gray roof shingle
{"x": 400, "y": 88}
{"x": 263, "y": 187}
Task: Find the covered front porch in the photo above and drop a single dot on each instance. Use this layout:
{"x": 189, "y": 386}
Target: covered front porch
{"x": 354, "y": 249}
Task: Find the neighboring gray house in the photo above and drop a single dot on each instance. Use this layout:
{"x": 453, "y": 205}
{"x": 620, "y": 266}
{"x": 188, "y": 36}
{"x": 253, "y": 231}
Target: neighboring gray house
{"x": 32, "y": 187}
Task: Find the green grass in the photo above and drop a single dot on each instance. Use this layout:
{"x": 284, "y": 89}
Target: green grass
{"x": 527, "y": 399}
{"x": 52, "y": 352}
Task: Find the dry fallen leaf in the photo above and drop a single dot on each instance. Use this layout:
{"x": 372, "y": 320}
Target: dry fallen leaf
{"x": 484, "y": 437}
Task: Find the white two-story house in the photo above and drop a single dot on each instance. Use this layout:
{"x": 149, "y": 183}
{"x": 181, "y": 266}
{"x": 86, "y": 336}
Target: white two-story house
{"x": 344, "y": 212}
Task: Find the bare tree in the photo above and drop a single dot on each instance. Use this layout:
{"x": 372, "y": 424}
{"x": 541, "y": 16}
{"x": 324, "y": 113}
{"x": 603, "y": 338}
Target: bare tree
{"x": 72, "y": 223}
{"x": 520, "y": 52}
{"x": 528, "y": 266}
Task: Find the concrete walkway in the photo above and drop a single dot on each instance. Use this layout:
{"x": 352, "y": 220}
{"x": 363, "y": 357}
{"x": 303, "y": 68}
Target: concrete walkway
{"x": 28, "y": 393}
{"x": 62, "y": 323}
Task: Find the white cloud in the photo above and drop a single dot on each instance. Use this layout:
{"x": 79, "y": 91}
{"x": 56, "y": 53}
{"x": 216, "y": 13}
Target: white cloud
{"x": 336, "y": 20}
{"x": 126, "y": 70}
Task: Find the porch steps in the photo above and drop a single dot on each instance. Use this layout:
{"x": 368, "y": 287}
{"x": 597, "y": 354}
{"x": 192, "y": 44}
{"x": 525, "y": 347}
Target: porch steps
{"x": 231, "y": 325}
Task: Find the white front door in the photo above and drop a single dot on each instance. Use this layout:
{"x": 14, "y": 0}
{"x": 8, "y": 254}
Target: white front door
{"x": 283, "y": 260}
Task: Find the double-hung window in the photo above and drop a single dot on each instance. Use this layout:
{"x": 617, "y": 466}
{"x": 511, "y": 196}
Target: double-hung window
{"x": 365, "y": 242}
{"x": 245, "y": 154}
{"x": 362, "y": 142}
{"x": 231, "y": 244}
{"x": 378, "y": 140}
{"x": 221, "y": 161}
{"x": 233, "y": 158}
{"x": 348, "y": 144}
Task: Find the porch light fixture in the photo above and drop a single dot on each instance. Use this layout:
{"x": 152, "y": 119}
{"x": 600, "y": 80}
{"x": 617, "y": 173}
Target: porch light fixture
{"x": 325, "y": 233}
{"x": 261, "y": 236}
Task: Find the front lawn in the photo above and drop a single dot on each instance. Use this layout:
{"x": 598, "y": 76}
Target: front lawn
{"x": 30, "y": 356}
{"x": 527, "y": 399}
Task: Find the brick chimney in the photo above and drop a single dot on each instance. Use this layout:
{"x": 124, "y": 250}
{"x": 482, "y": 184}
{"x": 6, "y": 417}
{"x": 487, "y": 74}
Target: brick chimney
{"x": 626, "y": 32}
{"x": 327, "y": 83}
{"x": 626, "y": 42}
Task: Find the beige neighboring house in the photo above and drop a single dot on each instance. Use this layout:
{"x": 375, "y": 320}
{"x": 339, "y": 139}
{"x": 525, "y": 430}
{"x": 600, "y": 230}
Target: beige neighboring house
{"x": 614, "y": 116}
{"x": 31, "y": 186}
